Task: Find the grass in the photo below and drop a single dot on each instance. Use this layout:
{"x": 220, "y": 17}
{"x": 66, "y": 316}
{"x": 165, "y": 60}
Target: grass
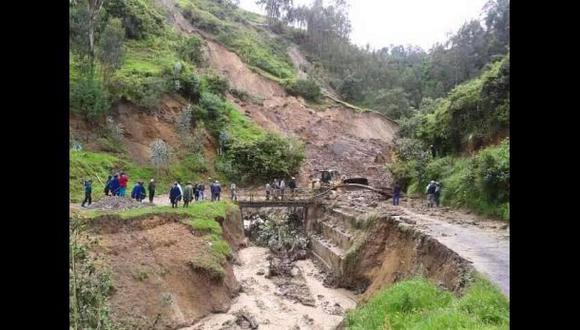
{"x": 418, "y": 304}
{"x": 97, "y": 166}
{"x": 233, "y": 27}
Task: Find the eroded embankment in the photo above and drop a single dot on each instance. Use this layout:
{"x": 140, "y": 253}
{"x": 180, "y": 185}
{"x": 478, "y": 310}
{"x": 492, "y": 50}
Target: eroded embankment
{"x": 162, "y": 271}
{"x": 367, "y": 252}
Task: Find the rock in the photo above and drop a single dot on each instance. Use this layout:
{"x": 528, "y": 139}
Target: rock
{"x": 260, "y": 272}
{"x": 505, "y": 227}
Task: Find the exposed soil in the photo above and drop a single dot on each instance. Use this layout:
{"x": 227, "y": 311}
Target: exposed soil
{"x": 442, "y": 239}
{"x": 154, "y": 283}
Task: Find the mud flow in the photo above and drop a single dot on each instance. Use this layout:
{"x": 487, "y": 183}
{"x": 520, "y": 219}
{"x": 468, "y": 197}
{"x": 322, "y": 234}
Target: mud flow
{"x": 281, "y": 287}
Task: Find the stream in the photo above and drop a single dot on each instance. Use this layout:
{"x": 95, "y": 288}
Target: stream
{"x": 270, "y": 305}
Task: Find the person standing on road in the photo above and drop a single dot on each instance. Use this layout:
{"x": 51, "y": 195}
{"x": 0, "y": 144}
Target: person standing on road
{"x": 431, "y": 194}
{"x": 218, "y": 190}
{"x": 201, "y": 191}
{"x": 115, "y": 185}
{"x": 123, "y": 181}
{"x": 268, "y": 191}
{"x": 233, "y": 191}
{"x": 437, "y": 193}
{"x": 88, "y": 187}
{"x": 136, "y": 191}
{"x": 174, "y": 195}
{"x": 292, "y": 186}
{"x": 108, "y": 185}
{"x": 151, "y": 190}
{"x": 196, "y": 192}
{"x": 282, "y": 188}
{"x": 187, "y": 194}
{"x": 396, "y": 194}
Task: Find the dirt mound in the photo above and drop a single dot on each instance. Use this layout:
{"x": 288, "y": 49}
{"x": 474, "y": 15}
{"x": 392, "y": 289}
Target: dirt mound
{"x": 116, "y": 203}
{"x": 154, "y": 283}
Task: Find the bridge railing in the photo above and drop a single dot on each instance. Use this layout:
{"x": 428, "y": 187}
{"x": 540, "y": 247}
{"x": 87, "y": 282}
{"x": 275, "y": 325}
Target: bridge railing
{"x": 259, "y": 195}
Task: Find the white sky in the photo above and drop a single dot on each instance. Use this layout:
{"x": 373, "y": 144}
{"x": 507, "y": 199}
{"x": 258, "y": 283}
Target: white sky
{"x": 417, "y": 22}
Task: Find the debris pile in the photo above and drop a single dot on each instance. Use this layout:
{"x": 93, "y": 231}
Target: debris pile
{"x": 116, "y": 203}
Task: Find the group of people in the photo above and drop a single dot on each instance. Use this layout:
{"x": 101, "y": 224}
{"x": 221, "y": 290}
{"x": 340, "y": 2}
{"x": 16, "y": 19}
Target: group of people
{"x": 433, "y": 192}
{"x": 193, "y": 192}
{"x": 277, "y": 188}
{"x": 116, "y": 185}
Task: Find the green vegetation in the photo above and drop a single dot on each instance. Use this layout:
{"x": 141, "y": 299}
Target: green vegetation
{"x": 307, "y": 88}
{"x": 90, "y": 283}
{"x": 431, "y": 143}
{"x": 418, "y": 304}
{"x": 233, "y": 27}
{"x": 98, "y": 166}
{"x": 268, "y": 156}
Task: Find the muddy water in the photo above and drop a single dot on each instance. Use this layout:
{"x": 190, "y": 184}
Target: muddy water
{"x": 261, "y": 299}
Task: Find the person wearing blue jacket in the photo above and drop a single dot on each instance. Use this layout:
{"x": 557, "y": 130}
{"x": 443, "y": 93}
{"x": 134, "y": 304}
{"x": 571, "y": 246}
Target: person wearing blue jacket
{"x": 174, "y": 195}
{"x": 115, "y": 185}
{"x": 108, "y": 185}
{"x": 138, "y": 192}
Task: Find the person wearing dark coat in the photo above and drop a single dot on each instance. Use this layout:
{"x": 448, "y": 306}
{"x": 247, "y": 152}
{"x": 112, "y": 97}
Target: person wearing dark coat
{"x": 196, "y": 192}
{"x": 174, "y": 195}
{"x": 138, "y": 192}
{"x": 88, "y": 185}
{"x": 396, "y": 194}
{"x": 115, "y": 185}
{"x": 151, "y": 190}
{"x": 108, "y": 185}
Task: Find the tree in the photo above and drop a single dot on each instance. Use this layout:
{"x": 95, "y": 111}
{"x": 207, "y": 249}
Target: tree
{"x": 275, "y": 9}
{"x": 497, "y": 21}
{"x": 88, "y": 97}
{"x": 160, "y": 154}
{"x": 110, "y": 51}
{"x": 94, "y": 10}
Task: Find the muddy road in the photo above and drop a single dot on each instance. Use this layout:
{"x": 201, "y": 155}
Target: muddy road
{"x": 263, "y": 301}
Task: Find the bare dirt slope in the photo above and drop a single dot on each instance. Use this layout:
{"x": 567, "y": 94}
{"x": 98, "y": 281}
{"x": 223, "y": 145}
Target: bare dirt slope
{"x": 355, "y": 144}
{"x": 155, "y": 285}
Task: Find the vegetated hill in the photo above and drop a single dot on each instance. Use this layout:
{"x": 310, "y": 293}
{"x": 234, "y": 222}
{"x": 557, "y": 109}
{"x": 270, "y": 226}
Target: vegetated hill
{"x": 214, "y": 85}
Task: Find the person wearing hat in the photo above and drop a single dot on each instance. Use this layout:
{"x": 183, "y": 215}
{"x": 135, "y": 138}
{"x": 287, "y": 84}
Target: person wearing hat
{"x": 431, "y": 193}
{"x": 88, "y": 185}
{"x": 292, "y": 186}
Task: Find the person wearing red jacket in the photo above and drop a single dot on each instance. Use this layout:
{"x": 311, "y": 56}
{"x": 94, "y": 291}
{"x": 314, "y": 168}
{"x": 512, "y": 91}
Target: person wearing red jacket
{"x": 123, "y": 180}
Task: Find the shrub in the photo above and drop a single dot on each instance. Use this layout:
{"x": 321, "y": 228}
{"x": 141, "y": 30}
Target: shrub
{"x": 191, "y": 50}
{"x": 189, "y": 86}
{"x": 139, "y": 18}
{"x": 306, "y": 88}
{"x": 267, "y": 157}
{"x": 215, "y": 84}
{"x": 88, "y": 98}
